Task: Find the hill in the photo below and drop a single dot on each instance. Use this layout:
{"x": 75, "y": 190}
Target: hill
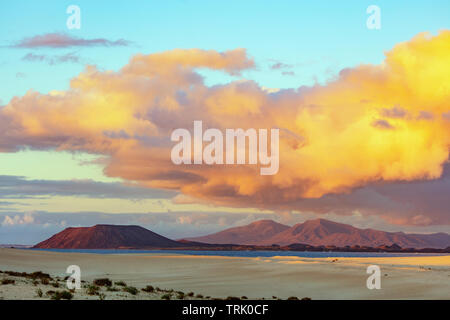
{"x": 104, "y": 236}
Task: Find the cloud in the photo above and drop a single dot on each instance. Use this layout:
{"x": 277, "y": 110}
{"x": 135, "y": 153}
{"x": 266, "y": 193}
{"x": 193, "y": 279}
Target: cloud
{"x": 51, "y": 60}
{"x": 27, "y": 218}
{"x": 19, "y": 187}
{"x": 382, "y": 124}
{"x": 395, "y": 112}
{"x": 62, "y": 40}
{"x": 280, "y": 65}
{"x": 330, "y": 138}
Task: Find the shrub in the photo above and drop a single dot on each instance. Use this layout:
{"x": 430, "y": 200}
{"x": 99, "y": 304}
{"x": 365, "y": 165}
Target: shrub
{"x": 244, "y": 298}
{"x": 103, "y": 282}
{"x": 92, "y": 290}
{"x": 148, "y": 289}
{"x": 131, "y": 290}
{"x": 232, "y": 298}
{"x": 190, "y": 294}
{"x": 112, "y": 289}
{"x": 199, "y": 296}
{"x": 39, "y": 293}
{"x": 55, "y": 285}
{"x": 40, "y": 275}
{"x": 180, "y": 295}
{"x": 45, "y": 281}
{"x": 58, "y": 295}
{"x": 165, "y": 296}
{"x": 50, "y": 293}
{"x": 120, "y": 283}
{"x": 292, "y": 298}
{"x": 8, "y": 281}
{"x": 306, "y": 298}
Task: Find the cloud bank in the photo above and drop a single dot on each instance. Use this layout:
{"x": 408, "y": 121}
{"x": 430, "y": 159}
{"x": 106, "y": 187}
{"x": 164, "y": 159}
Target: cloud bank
{"x": 62, "y": 40}
{"x": 367, "y": 127}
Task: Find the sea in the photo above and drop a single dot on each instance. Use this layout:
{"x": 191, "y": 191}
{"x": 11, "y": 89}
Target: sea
{"x": 251, "y": 254}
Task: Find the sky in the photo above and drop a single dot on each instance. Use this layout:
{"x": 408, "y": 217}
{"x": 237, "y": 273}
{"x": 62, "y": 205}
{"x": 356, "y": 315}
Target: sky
{"x": 86, "y": 114}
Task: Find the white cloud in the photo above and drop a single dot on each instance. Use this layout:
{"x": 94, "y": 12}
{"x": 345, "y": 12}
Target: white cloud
{"x": 27, "y": 218}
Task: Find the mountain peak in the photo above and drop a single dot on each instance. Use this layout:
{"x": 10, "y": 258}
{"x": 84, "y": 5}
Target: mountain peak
{"x": 252, "y": 233}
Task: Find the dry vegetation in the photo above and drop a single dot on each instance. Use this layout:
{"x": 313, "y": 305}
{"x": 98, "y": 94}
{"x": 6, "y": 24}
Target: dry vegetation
{"x": 39, "y": 285}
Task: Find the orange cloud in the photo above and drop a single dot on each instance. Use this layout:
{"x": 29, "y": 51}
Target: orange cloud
{"x": 333, "y": 137}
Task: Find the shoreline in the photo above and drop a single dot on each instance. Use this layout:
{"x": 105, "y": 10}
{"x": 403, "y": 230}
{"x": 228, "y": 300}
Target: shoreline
{"x": 416, "y": 277}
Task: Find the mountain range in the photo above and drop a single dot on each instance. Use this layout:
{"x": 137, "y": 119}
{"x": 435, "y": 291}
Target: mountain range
{"x": 262, "y": 233}
{"x": 321, "y": 232}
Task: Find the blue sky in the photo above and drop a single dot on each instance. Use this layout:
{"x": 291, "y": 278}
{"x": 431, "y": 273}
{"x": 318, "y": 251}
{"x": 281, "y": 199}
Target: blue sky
{"x": 318, "y": 38}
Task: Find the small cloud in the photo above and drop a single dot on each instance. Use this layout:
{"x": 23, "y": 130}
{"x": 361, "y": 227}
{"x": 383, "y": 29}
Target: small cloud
{"x": 395, "y": 112}
{"x": 425, "y": 115}
{"x": 382, "y": 124}
{"x": 51, "y": 60}
{"x": 280, "y": 65}
{"x": 62, "y": 40}
{"x": 288, "y": 73}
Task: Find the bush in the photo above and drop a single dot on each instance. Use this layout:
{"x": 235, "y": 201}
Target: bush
{"x": 292, "y": 298}
{"x": 180, "y": 295}
{"x": 199, "y": 296}
{"x": 8, "y": 281}
{"x": 165, "y": 296}
{"x": 148, "y": 289}
{"x": 232, "y": 298}
{"x": 58, "y": 295}
{"x": 45, "y": 281}
{"x": 244, "y": 298}
{"x": 40, "y": 275}
{"x": 92, "y": 290}
{"x": 39, "y": 293}
{"x": 190, "y": 294}
{"x": 120, "y": 283}
{"x": 112, "y": 289}
{"x": 131, "y": 290}
{"x": 55, "y": 285}
{"x": 306, "y": 298}
{"x": 103, "y": 282}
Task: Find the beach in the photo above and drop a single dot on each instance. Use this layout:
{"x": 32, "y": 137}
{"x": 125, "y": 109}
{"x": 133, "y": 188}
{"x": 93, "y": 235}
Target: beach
{"x": 421, "y": 277}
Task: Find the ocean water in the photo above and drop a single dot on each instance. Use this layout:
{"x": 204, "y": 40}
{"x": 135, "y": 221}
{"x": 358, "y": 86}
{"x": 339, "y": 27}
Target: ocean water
{"x": 301, "y": 254}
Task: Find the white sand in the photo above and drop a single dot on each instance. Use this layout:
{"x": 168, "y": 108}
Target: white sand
{"x": 318, "y": 278}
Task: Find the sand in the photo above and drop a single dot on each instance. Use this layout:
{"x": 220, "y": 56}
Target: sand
{"x": 317, "y": 278}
